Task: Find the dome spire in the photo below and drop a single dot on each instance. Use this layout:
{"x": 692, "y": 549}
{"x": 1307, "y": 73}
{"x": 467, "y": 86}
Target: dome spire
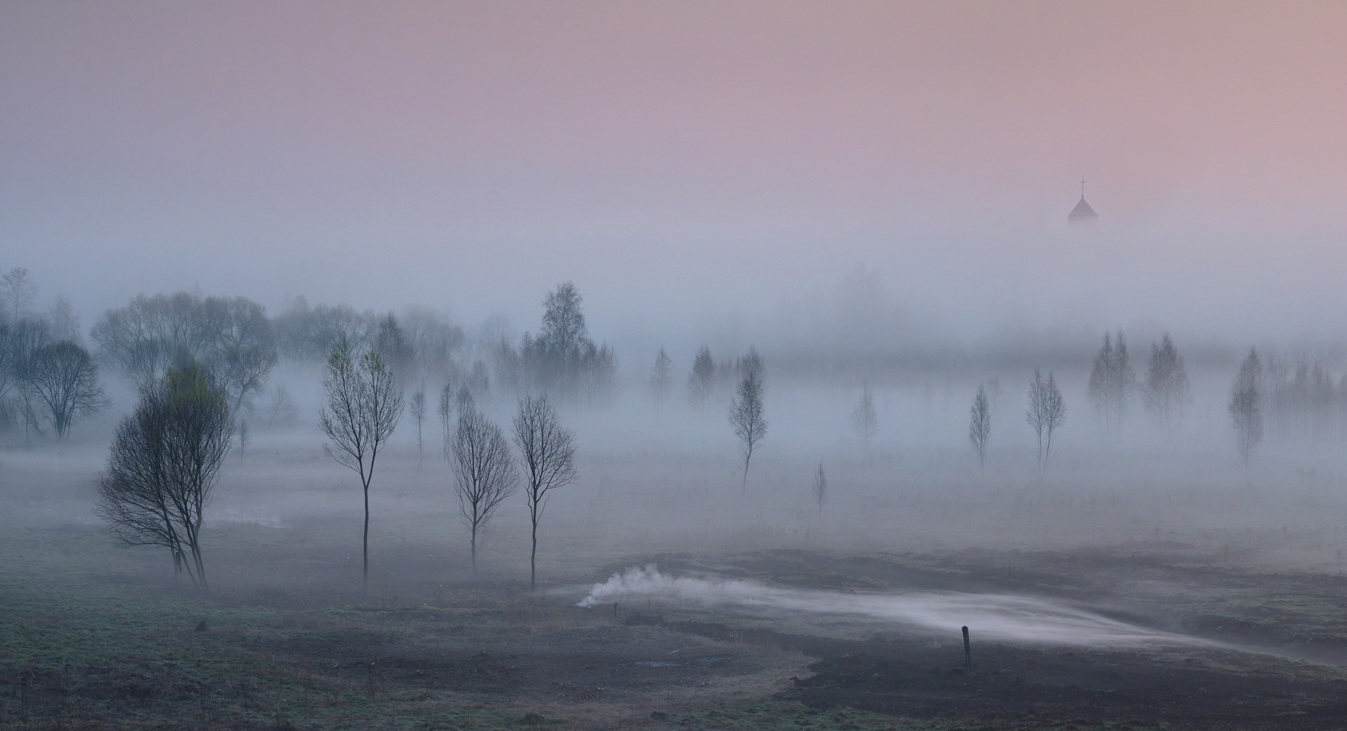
{"x": 1082, "y": 213}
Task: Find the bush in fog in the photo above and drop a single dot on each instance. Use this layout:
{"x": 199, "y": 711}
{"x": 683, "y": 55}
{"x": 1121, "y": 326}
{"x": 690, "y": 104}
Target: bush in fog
{"x": 863, "y": 417}
{"x": 1246, "y": 413}
{"x": 363, "y": 407}
{"x": 746, "y": 409}
{"x": 1112, "y": 381}
{"x": 1047, "y": 411}
{"x": 163, "y": 463}
{"x": 980, "y": 426}
{"x": 547, "y": 452}
{"x": 62, "y": 383}
{"x": 702, "y": 380}
{"x": 1166, "y": 389}
{"x": 484, "y": 470}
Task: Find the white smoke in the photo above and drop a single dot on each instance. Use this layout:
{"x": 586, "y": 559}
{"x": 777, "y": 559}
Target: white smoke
{"x": 993, "y": 616}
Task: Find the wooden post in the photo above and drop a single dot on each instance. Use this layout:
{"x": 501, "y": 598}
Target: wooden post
{"x": 967, "y": 651}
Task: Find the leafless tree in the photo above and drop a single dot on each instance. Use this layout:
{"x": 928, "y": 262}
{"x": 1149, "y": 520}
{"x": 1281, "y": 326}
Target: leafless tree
{"x": 1246, "y": 411}
{"x": 446, "y": 408}
{"x": 8, "y": 355}
{"x": 819, "y": 487}
{"x": 417, "y": 407}
{"x": 243, "y": 351}
{"x": 980, "y": 426}
{"x": 1112, "y": 381}
{"x": 27, "y": 337}
{"x": 863, "y": 417}
{"x": 661, "y": 375}
{"x": 484, "y": 470}
{"x": 434, "y": 339}
{"x": 363, "y": 408}
{"x": 746, "y": 410}
{"x": 230, "y": 336}
{"x": 392, "y": 345}
{"x": 145, "y": 336}
{"x": 547, "y": 451}
{"x": 280, "y": 409}
{"x": 244, "y": 437}
{"x": 19, "y": 291}
{"x": 703, "y": 379}
{"x": 1046, "y": 412}
{"x": 1166, "y": 389}
{"x": 163, "y": 464}
{"x": 306, "y": 332}
{"x": 64, "y": 382}
{"x": 65, "y": 324}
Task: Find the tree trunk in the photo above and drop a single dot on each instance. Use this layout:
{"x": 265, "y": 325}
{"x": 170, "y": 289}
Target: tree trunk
{"x": 533, "y": 554}
{"x": 364, "y": 546}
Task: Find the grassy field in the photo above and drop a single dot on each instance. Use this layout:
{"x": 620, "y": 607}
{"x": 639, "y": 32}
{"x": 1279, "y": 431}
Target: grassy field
{"x": 98, "y": 635}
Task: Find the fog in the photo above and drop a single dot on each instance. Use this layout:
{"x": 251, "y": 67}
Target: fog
{"x": 870, "y": 196}
{"x": 688, "y": 165}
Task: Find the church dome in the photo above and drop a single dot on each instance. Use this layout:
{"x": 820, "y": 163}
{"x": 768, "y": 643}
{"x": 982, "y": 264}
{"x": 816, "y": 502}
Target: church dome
{"x": 1082, "y": 213}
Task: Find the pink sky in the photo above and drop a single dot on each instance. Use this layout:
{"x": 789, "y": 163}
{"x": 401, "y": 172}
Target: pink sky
{"x": 472, "y": 154}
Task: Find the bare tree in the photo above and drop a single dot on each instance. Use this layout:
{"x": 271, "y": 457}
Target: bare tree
{"x": 243, "y": 350}
{"x": 363, "y": 408}
{"x": 746, "y": 410}
{"x": 20, "y": 291}
{"x": 484, "y": 471}
{"x": 863, "y": 417}
{"x": 64, "y": 382}
{"x": 547, "y": 451}
{"x": 446, "y": 408}
{"x": 703, "y": 379}
{"x": 231, "y": 336}
{"x": 391, "y": 344}
{"x": 980, "y": 426}
{"x": 1112, "y": 381}
{"x": 1166, "y": 389}
{"x": 8, "y": 355}
{"x": 163, "y": 464}
{"x": 65, "y": 324}
{"x": 819, "y": 487}
{"x": 1046, "y": 412}
{"x": 244, "y": 437}
{"x": 26, "y": 338}
{"x": 280, "y": 409}
{"x": 1246, "y": 413}
{"x": 417, "y": 407}
{"x": 661, "y": 375}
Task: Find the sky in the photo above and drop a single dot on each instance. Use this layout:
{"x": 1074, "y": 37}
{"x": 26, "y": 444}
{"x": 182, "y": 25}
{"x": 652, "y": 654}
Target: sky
{"x": 688, "y": 164}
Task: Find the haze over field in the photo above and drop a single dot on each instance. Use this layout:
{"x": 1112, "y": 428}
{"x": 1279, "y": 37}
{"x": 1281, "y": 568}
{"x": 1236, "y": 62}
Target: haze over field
{"x": 612, "y": 365}
{"x": 700, "y": 170}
